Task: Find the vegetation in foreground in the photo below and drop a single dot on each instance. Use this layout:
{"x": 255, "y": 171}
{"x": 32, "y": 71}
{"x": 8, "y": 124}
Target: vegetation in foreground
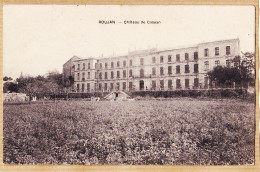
{"x": 181, "y": 132}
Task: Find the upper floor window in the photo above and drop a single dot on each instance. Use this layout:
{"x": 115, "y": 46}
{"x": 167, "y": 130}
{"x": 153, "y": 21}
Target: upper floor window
{"x": 88, "y": 65}
{"x": 141, "y": 61}
{"x": 124, "y": 73}
{"x": 118, "y": 63}
{"x": 187, "y": 70}
{"x": 227, "y": 50}
{"x": 141, "y": 73}
{"x": 206, "y": 65}
{"x": 96, "y": 66}
{"x": 83, "y": 76}
{"x": 106, "y": 65}
{"x": 130, "y": 73}
{"x": 118, "y": 74}
{"x": 177, "y": 57}
{"x": 131, "y": 62}
{"x": 154, "y": 60}
{"x": 78, "y": 78}
{"x": 153, "y": 71}
{"x": 78, "y": 66}
{"x": 217, "y": 63}
{"x": 206, "y": 52}
{"x": 112, "y": 74}
{"x": 169, "y": 70}
{"x": 186, "y": 56}
{"x": 178, "y": 69}
{"x": 124, "y": 63}
{"x": 84, "y": 66}
{"x": 196, "y": 68}
{"x": 216, "y": 51}
{"x": 196, "y": 56}
{"x": 105, "y": 75}
{"x": 88, "y": 75}
{"x": 169, "y": 58}
{"x": 161, "y": 71}
{"x": 95, "y": 75}
{"x": 161, "y": 59}
{"x": 100, "y": 75}
{"x": 100, "y": 65}
{"x": 112, "y": 64}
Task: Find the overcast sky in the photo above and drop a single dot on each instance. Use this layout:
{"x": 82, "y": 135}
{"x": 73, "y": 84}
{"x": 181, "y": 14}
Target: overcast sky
{"x": 38, "y": 39}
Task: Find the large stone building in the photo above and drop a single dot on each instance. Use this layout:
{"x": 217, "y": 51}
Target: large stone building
{"x": 152, "y": 69}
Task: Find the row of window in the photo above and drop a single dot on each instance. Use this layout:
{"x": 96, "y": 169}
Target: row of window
{"x": 104, "y": 86}
{"x": 206, "y": 54}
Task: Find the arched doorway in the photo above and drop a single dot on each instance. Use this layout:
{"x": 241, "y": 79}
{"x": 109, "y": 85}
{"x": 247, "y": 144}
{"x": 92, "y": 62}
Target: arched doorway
{"x": 141, "y": 85}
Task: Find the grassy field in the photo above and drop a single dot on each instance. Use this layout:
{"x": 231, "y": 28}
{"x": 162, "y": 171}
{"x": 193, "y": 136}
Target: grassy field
{"x": 177, "y": 132}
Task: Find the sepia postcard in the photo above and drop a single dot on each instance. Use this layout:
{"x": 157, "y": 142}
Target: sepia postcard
{"x": 130, "y": 87}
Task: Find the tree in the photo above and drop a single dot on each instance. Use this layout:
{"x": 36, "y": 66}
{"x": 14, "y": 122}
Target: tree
{"x": 6, "y": 78}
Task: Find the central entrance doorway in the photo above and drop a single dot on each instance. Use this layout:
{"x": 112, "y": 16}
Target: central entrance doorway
{"x": 141, "y": 85}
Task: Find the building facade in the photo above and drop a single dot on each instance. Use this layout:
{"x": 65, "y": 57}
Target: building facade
{"x": 152, "y": 69}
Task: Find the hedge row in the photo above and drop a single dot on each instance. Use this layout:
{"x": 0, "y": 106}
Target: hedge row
{"x": 215, "y": 93}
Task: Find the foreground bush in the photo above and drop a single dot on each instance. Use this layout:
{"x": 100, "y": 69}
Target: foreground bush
{"x": 182, "y": 132}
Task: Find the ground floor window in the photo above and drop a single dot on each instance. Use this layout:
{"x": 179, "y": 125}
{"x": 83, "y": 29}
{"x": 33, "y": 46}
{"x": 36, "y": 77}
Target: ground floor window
{"x": 124, "y": 85}
{"x": 111, "y": 86}
{"x": 105, "y": 86}
{"x": 130, "y": 86}
{"x": 82, "y": 87}
{"x": 153, "y": 85}
{"x": 196, "y": 82}
{"x": 162, "y": 85}
{"x": 88, "y": 86}
{"x": 178, "y": 83}
{"x": 77, "y": 87}
{"x": 170, "y": 84}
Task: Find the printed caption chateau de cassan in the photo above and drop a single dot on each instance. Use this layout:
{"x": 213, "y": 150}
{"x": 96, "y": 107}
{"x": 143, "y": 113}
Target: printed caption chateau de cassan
{"x": 151, "y": 69}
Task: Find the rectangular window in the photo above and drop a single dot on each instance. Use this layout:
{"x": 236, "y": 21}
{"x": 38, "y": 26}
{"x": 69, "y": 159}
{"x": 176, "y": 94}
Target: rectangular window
{"x": 105, "y": 75}
{"x": 84, "y": 66}
{"x": 118, "y": 63}
{"x": 112, "y": 64}
{"x": 196, "y": 55}
{"x": 100, "y": 75}
{"x": 187, "y": 83}
{"x": 178, "y": 69}
{"x": 131, "y": 62}
{"x": 96, "y": 65}
{"x": 227, "y": 50}
{"x": 142, "y": 61}
{"x": 130, "y": 86}
{"x": 178, "y": 83}
{"x": 153, "y": 71}
{"x": 141, "y": 73}
{"x": 153, "y": 85}
{"x": 88, "y": 86}
{"x": 95, "y": 86}
{"x": 100, "y": 65}
{"x": 100, "y": 86}
{"x": 161, "y": 59}
{"x": 228, "y": 63}
{"x": 161, "y": 71}
{"x": 83, "y": 76}
{"x": 88, "y": 75}
{"x": 111, "y": 86}
{"x": 118, "y": 86}
{"x": 196, "y": 68}
{"x": 78, "y": 78}
{"x": 169, "y": 70}
{"x": 206, "y": 65}
{"x": 196, "y": 82}
{"x": 186, "y": 56}
{"x": 206, "y": 52}
{"x": 82, "y": 87}
{"x": 112, "y": 75}
{"x": 95, "y": 75}
{"x": 187, "y": 70}
{"x": 106, "y": 65}
{"x": 77, "y": 87}
{"x": 216, "y": 51}
{"x": 124, "y": 85}
{"x": 124, "y": 63}
{"x": 217, "y": 63}
{"x": 130, "y": 73}
{"x": 170, "y": 84}
{"x": 206, "y": 82}
{"x": 162, "y": 84}
{"x": 88, "y": 65}
{"x": 154, "y": 60}
{"x": 169, "y": 58}
{"x": 124, "y": 73}
{"x": 105, "y": 86}
{"x": 118, "y": 74}
{"x": 177, "y": 57}
{"x": 78, "y": 66}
